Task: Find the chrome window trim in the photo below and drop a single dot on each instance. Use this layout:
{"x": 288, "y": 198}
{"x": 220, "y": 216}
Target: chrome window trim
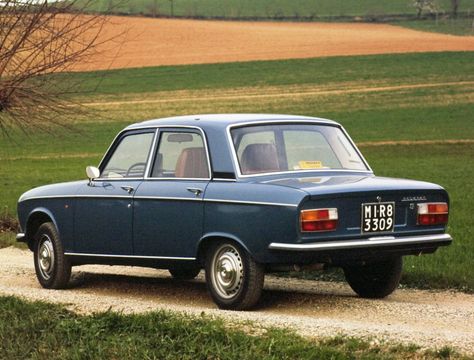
{"x": 177, "y": 179}
{"x": 173, "y": 198}
{"x": 131, "y": 256}
{"x": 120, "y": 134}
{"x": 150, "y": 152}
{"x": 375, "y": 241}
{"x": 290, "y": 121}
{"x": 204, "y": 139}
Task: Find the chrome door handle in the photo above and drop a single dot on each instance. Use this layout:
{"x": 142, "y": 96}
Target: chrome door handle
{"x": 195, "y": 191}
{"x": 128, "y": 189}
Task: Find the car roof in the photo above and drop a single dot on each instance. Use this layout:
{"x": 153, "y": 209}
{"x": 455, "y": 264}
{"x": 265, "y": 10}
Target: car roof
{"x": 223, "y": 120}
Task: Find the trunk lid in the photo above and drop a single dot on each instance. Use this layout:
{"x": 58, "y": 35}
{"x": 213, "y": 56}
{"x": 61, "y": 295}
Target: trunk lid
{"x": 348, "y": 193}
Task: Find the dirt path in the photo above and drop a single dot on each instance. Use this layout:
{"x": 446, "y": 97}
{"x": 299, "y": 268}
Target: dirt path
{"x": 154, "y": 42}
{"x": 312, "y": 308}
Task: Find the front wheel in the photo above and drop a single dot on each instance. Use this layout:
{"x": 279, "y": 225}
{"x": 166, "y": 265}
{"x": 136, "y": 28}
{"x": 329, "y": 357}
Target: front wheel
{"x": 53, "y": 269}
{"x": 375, "y": 280}
{"x": 234, "y": 279}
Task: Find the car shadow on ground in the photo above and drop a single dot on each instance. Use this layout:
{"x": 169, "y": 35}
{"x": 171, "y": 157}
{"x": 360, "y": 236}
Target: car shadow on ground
{"x": 163, "y": 289}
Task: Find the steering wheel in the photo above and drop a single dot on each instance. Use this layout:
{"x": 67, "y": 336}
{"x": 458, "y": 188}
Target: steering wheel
{"x": 136, "y": 165}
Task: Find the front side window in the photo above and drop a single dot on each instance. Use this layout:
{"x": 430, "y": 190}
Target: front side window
{"x": 129, "y": 157}
{"x": 181, "y": 155}
{"x": 279, "y": 148}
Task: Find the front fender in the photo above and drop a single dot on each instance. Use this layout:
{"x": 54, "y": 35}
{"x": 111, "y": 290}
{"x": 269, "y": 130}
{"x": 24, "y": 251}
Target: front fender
{"x": 38, "y": 213}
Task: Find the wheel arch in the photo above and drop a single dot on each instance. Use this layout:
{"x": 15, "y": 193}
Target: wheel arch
{"x": 210, "y": 238}
{"x": 36, "y": 218}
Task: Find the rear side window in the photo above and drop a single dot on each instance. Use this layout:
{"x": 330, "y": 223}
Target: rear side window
{"x": 181, "y": 155}
{"x": 129, "y": 157}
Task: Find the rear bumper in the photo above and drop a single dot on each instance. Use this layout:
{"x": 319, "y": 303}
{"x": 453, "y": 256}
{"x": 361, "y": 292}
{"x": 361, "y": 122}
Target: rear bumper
{"x": 376, "y": 242}
{"x": 21, "y": 237}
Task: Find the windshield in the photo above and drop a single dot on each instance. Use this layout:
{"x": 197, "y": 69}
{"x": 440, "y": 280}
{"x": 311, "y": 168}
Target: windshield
{"x": 279, "y": 148}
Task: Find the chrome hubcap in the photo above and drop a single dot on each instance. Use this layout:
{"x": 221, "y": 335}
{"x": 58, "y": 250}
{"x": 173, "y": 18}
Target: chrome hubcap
{"x": 46, "y": 256}
{"x": 227, "y": 271}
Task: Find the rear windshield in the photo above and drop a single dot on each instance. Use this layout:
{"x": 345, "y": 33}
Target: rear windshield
{"x": 279, "y": 148}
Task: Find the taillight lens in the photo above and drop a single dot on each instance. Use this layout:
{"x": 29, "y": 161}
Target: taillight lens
{"x": 318, "y": 220}
{"x": 432, "y": 214}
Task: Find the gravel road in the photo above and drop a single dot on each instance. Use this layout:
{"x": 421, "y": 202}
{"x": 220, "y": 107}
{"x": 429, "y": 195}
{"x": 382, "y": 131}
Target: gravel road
{"x": 312, "y": 308}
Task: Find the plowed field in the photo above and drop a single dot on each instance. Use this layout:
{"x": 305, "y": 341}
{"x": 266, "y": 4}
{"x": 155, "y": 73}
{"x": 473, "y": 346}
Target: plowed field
{"x": 155, "y": 42}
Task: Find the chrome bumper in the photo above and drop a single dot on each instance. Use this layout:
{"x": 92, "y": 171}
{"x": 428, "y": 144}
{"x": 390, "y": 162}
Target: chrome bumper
{"x": 20, "y": 237}
{"x": 372, "y": 242}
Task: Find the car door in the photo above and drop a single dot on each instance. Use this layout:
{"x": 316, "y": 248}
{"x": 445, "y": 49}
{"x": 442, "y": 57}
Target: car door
{"x": 104, "y": 207}
{"x": 168, "y": 206}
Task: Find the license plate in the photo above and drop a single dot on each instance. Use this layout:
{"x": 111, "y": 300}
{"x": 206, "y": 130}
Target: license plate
{"x": 378, "y": 217}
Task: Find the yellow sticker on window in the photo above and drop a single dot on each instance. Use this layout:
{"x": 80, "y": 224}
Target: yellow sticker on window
{"x": 313, "y": 164}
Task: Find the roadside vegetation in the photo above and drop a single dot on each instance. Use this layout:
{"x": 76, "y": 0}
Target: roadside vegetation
{"x": 412, "y": 97}
{"x": 37, "y": 330}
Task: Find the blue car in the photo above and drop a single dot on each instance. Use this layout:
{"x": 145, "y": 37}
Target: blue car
{"x": 237, "y": 195}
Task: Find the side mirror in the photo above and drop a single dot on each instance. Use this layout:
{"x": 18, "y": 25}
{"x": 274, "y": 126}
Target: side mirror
{"x": 92, "y": 173}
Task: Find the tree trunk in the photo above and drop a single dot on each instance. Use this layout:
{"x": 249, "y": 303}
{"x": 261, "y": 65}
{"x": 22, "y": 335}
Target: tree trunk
{"x": 454, "y": 7}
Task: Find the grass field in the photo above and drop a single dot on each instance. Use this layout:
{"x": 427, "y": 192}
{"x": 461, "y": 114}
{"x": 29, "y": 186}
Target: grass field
{"x": 44, "y": 331}
{"x": 401, "y": 12}
{"x": 377, "y": 98}
{"x": 461, "y": 26}
{"x": 272, "y": 8}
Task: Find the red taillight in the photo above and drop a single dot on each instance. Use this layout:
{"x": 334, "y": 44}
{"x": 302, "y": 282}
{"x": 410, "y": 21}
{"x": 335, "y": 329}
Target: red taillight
{"x": 432, "y": 214}
{"x": 318, "y": 220}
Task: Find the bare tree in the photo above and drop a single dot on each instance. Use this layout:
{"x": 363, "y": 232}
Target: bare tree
{"x": 39, "y": 42}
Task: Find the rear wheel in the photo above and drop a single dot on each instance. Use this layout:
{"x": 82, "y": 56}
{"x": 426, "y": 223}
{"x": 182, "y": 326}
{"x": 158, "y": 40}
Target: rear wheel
{"x": 233, "y": 278}
{"x": 375, "y": 280}
{"x": 53, "y": 269}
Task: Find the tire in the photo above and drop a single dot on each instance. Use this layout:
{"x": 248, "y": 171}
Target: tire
{"x": 233, "y": 278}
{"x": 53, "y": 269}
{"x": 184, "y": 273}
{"x": 375, "y": 280}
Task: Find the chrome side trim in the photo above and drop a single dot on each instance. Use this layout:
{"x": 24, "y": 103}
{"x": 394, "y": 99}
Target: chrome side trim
{"x": 79, "y": 196}
{"x": 250, "y": 202}
{"x": 365, "y": 243}
{"x": 131, "y": 256}
{"x": 144, "y": 197}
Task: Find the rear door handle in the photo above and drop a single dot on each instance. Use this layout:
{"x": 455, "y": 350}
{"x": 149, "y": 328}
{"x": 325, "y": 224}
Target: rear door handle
{"x": 128, "y": 189}
{"x": 195, "y": 191}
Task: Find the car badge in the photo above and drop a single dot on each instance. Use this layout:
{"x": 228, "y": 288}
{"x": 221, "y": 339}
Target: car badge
{"x": 379, "y": 198}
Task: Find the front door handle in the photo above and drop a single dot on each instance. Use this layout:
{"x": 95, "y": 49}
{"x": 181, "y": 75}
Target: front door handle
{"x": 195, "y": 191}
{"x": 128, "y": 189}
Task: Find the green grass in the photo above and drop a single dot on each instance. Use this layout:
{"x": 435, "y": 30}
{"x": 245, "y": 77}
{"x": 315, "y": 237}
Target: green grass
{"x": 428, "y": 113}
{"x": 460, "y": 26}
{"x": 36, "y": 330}
{"x": 395, "y": 69}
{"x": 271, "y": 9}
{"x": 452, "y": 166}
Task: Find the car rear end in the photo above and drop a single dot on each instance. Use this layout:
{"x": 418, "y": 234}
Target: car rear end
{"x": 354, "y": 224}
